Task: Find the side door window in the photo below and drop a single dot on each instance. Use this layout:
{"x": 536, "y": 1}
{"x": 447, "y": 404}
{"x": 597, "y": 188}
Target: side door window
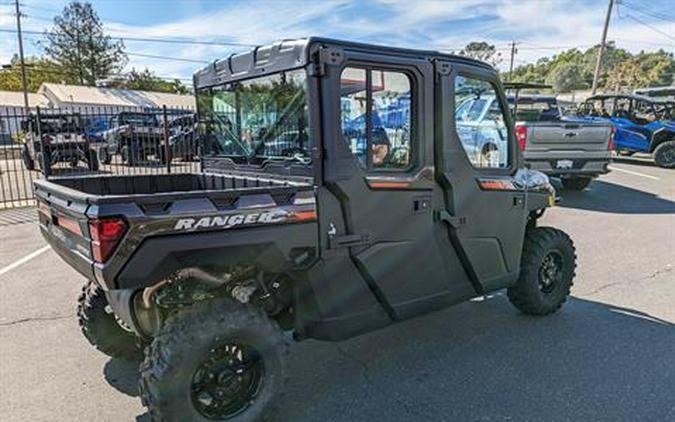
{"x": 376, "y": 117}
{"x": 480, "y": 123}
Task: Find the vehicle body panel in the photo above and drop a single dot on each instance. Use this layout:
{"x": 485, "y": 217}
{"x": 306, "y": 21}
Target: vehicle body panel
{"x": 365, "y": 248}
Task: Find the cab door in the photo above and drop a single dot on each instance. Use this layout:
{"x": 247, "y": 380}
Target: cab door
{"x": 380, "y": 190}
{"x": 484, "y": 211}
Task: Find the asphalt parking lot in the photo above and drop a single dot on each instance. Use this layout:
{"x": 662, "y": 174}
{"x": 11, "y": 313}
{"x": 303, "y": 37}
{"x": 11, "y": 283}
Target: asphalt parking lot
{"x": 607, "y": 356}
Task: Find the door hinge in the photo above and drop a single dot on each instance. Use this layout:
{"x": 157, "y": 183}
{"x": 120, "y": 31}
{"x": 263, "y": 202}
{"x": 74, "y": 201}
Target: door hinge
{"x": 349, "y": 240}
{"x": 451, "y": 220}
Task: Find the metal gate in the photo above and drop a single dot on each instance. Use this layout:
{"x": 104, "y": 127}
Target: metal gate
{"x": 53, "y": 142}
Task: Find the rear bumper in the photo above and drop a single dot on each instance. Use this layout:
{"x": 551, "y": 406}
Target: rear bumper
{"x": 558, "y": 163}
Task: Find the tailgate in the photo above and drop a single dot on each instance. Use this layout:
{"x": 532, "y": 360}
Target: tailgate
{"x": 568, "y": 136}
{"x": 64, "y": 224}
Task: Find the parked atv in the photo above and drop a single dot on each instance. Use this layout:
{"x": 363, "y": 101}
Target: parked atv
{"x": 643, "y": 124}
{"x": 304, "y": 222}
{"x": 56, "y": 137}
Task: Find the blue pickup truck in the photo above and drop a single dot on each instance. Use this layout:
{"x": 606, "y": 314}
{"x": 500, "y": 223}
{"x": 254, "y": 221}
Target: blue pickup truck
{"x": 643, "y": 124}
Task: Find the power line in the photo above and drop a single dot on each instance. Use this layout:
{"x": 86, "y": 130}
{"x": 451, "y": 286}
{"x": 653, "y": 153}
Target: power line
{"x": 157, "y": 40}
{"x": 176, "y": 59}
{"x": 129, "y": 53}
{"x": 43, "y": 69}
{"x": 648, "y": 12}
{"x": 653, "y": 28}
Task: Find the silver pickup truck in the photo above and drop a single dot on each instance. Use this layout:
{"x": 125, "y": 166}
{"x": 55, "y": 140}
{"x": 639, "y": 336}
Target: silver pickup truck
{"x": 574, "y": 150}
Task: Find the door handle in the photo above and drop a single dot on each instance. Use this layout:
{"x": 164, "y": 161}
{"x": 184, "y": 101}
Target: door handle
{"x": 451, "y": 220}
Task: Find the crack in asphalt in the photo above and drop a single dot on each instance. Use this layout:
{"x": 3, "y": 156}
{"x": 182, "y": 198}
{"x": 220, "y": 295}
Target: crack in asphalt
{"x": 661, "y": 271}
{"x": 34, "y": 319}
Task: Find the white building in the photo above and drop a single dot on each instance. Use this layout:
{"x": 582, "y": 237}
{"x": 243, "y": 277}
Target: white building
{"x": 12, "y": 112}
{"x": 76, "y": 96}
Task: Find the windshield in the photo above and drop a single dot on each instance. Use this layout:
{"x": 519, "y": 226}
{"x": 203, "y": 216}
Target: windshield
{"x": 257, "y": 120}
{"x": 470, "y": 109}
{"x": 138, "y": 119}
{"x": 64, "y": 123}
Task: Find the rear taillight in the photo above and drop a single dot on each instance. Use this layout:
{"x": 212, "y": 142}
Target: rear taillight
{"x": 521, "y": 134}
{"x": 610, "y": 143}
{"x": 105, "y": 236}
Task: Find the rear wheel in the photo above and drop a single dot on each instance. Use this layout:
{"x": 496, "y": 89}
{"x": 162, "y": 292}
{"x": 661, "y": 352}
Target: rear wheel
{"x": 664, "y": 155}
{"x": 218, "y": 360}
{"x": 103, "y": 156}
{"x": 129, "y": 155}
{"x": 92, "y": 160}
{"x": 546, "y": 272}
{"x": 100, "y": 327}
{"x": 576, "y": 183}
{"x": 27, "y": 160}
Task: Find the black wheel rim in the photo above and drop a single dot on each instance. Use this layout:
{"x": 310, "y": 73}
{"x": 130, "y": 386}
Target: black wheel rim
{"x": 668, "y": 156}
{"x": 228, "y": 381}
{"x": 550, "y": 272}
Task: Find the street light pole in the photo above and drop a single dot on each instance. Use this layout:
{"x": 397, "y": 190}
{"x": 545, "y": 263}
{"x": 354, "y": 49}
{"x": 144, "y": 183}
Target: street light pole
{"x": 596, "y": 74}
{"x": 24, "y": 79}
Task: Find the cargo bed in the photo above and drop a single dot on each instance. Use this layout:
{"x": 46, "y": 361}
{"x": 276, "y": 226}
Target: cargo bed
{"x": 154, "y": 206}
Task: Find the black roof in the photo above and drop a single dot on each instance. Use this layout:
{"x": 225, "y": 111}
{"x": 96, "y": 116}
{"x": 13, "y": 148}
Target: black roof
{"x": 631, "y": 96}
{"x": 525, "y": 85}
{"x": 290, "y": 54}
{"x": 524, "y": 98}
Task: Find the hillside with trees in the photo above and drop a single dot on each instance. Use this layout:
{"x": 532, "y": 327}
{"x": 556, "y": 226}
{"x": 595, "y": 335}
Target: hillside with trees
{"x": 621, "y": 71}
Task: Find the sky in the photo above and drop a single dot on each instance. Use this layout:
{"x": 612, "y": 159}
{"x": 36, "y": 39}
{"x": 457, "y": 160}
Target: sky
{"x": 540, "y": 27}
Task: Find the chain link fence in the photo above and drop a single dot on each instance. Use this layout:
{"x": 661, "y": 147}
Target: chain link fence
{"x": 57, "y": 142}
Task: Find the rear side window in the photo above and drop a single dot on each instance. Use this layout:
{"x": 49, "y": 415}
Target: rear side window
{"x": 480, "y": 123}
{"x": 376, "y": 117}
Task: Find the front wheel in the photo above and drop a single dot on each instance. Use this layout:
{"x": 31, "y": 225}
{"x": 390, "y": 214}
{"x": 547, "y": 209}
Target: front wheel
{"x": 100, "y": 327}
{"x": 664, "y": 155}
{"x": 546, "y": 272}
{"x": 576, "y": 183}
{"x": 218, "y": 360}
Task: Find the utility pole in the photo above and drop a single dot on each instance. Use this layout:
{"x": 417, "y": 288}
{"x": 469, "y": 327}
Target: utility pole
{"x": 24, "y": 79}
{"x": 513, "y": 56}
{"x": 596, "y": 74}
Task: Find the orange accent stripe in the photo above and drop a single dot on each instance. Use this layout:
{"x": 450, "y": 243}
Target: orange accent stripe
{"x": 495, "y": 185}
{"x": 381, "y": 185}
{"x": 69, "y": 224}
{"x": 304, "y": 215}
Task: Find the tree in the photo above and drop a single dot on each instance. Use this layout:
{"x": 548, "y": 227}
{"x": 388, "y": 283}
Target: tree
{"x": 626, "y": 76}
{"x": 566, "y": 76}
{"x": 482, "y": 51}
{"x": 79, "y": 46}
{"x": 146, "y": 80}
{"x": 39, "y": 70}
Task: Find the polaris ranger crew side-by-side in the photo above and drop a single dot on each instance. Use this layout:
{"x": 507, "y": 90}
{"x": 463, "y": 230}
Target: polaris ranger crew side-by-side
{"x": 56, "y": 137}
{"x": 338, "y": 196}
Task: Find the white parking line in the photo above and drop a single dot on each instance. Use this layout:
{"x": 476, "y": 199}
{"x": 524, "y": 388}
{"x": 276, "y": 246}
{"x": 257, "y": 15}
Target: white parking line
{"x": 23, "y": 260}
{"x": 634, "y": 173}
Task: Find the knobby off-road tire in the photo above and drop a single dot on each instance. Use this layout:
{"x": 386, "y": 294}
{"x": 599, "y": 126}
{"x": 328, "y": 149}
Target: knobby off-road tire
{"x": 99, "y": 326}
{"x": 576, "y": 183}
{"x": 187, "y": 364}
{"x": 547, "y": 270}
{"x": 664, "y": 155}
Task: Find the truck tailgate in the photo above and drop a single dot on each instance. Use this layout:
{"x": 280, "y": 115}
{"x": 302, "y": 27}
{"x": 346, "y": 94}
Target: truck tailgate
{"x": 568, "y": 136}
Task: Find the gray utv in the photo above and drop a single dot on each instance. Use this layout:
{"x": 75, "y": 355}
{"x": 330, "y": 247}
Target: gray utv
{"x": 341, "y": 192}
